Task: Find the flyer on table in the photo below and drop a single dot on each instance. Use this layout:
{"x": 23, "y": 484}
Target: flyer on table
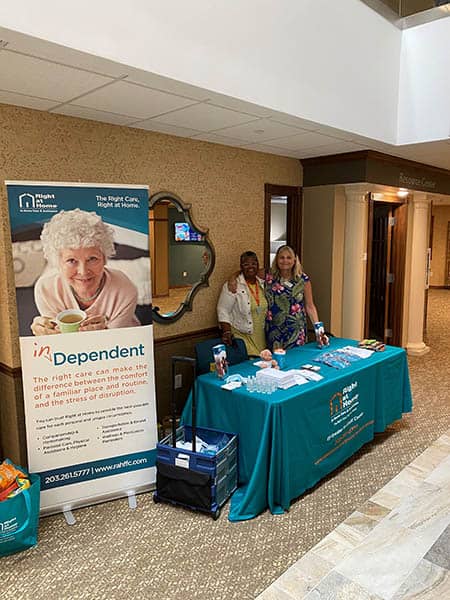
{"x": 82, "y": 272}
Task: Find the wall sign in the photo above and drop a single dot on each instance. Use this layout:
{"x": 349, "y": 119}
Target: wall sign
{"x": 367, "y": 166}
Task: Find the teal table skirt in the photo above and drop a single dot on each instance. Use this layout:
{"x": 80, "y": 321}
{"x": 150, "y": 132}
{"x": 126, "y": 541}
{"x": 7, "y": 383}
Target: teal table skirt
{"x": 291, "y": 439}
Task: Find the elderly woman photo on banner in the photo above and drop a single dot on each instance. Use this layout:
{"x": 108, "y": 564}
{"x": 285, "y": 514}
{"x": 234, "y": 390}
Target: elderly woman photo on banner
{"x": 78, "y": 272}
{"x": 78, "y": 243}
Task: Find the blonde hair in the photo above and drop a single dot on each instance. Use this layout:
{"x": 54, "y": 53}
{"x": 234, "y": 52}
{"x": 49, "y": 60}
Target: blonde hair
{"x": 297, "y": 268}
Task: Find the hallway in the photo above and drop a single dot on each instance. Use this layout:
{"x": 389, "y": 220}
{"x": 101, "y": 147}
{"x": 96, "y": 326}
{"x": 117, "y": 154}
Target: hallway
{"x": 397, "y": 544}
{"x": 158, "y": 551}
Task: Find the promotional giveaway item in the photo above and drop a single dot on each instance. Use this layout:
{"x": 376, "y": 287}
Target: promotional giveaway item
{"x": 19, "y": 509}
{"x": 86, "y": 339}
{"x": 279, "y": 354}
{"x": 321, "y": 337}
{"x": 196, "y": 467}
{"x": 220, "y": 360}
{"x": 267, "y": 361}
{"x": 374, "y": 345}
{"x": 232, "y": 382}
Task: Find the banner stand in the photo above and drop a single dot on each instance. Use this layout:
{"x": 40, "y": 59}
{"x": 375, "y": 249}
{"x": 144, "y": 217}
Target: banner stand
{"x": 82, "y": 275}
{"x": 69, "y": 517}
{"x": 132, "y": 500}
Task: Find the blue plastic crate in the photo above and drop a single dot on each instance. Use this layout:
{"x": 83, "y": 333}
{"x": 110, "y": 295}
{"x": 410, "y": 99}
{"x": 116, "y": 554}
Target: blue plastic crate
{"x": 222, "y": 467}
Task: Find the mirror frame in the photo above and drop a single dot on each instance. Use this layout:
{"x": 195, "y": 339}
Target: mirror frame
{"x": 186, "y": 305}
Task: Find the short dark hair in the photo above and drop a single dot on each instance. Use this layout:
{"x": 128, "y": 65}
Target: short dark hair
{"x": 248, "y": 254}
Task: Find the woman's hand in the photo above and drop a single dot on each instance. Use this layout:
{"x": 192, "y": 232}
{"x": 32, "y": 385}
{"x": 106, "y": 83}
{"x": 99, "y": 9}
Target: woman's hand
{"x": 44, "y": 326}
{"x": 94, "y": 323}
{"x": 227, "y": 338}
{"x": 321, "y": 336}
{"x": 232, "y": 282}
{"x": 322, "y": 340}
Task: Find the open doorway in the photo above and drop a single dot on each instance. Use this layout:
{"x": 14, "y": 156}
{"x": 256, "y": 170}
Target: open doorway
{"x": 282, "y": 219}
{"x": 278, "y": 224}
{"x": 385, "y": 271}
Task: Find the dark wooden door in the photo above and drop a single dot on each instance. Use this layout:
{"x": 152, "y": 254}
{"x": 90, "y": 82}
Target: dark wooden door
{"x": 385, "y": 271}
{"x": 377, "y": 281}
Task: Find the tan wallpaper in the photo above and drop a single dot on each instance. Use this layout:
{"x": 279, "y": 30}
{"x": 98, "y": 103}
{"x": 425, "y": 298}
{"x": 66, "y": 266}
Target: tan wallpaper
{"x": 441, "y": 219}
{"x": 224, "y": 185}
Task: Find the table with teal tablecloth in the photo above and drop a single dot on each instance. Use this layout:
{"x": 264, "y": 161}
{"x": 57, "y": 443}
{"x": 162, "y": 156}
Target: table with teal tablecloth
{"x": 292, "y": 438}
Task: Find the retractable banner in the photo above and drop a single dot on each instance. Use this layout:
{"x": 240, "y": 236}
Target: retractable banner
{"x": 82, "y": 270}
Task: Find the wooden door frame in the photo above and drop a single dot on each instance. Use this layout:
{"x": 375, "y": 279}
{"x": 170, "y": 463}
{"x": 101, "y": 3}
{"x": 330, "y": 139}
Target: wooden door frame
{"x": 371, "y": 203}
{"x": 446, "y": 284}
{"x": 429, "y": 259}
{"x": 398, "y": 267}
{"x": 294, "y": 216}
{"x": 389, "y": 292}
{"x": 159, "y": 249}
{"x": 397, "y": 290}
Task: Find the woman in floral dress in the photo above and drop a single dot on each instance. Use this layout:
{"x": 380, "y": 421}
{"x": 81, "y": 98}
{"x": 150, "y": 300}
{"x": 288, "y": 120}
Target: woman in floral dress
{"x": 290, "y": 300}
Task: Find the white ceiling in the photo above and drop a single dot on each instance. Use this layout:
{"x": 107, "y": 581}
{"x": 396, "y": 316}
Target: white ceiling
{"x": 44, "y": 76}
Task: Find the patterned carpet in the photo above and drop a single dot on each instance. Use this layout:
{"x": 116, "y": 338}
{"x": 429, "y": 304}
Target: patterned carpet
{"x": 164, "y": 553}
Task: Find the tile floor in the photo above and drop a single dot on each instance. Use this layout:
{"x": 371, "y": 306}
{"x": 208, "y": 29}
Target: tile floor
{"x": 396, "y": 546}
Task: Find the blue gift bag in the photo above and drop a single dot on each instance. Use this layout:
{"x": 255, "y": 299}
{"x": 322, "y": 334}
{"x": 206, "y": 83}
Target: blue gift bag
{"x": 19, "y": 519}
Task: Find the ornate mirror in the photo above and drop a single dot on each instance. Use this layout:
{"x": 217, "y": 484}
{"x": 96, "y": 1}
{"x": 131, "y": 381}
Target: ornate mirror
{"x": 182, "y": 257}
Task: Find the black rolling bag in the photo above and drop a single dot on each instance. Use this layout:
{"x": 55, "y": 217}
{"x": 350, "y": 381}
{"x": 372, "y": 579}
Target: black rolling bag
{"x": 196, "y": 480}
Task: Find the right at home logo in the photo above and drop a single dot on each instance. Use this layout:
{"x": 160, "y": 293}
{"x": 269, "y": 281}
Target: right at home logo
{"x": 344, "y": 399}
{"x": 37, "y": 203}
{"x": 335, "y": 403}
{"x": 344, "y": 407}
{"x": 8, "y": 526}
{"x": 27, "y": 201}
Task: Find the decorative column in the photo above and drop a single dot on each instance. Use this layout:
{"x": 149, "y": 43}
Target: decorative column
{"x": 420, "y": 207}
{"x": 355, "y": 261}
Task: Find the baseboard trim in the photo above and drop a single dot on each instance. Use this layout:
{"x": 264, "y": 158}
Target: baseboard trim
{"x": 190, "y": 335}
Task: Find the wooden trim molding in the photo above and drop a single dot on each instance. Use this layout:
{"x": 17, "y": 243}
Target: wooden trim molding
{"x": 373, "y": 154}
{"x": 15, "y": 372}
{"x": 371, "y": 166}
{"x": 190, "y": 335}
{"x": 332, "y": 158}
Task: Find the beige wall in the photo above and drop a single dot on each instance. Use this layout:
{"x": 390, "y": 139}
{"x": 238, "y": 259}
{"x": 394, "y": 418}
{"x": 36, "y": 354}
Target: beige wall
{"x": 317, "y": 250}
{"x": 337, "y": 276}
{"x": 441, "y": 218}
{"x": 224, "y": 185}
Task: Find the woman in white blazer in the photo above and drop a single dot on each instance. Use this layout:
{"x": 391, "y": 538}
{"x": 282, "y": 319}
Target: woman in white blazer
{"x": 242, "y": 313}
